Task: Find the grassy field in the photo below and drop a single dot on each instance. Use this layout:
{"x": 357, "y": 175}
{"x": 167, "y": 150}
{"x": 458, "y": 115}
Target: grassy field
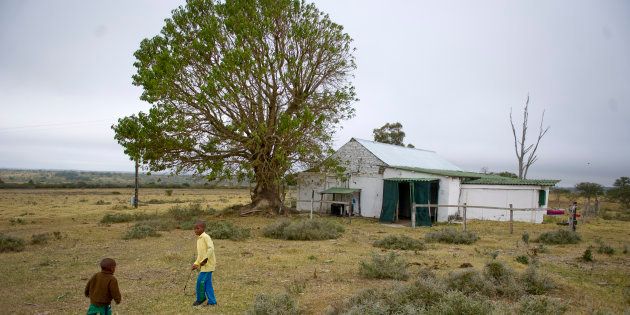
{"x": 152, "y": 272}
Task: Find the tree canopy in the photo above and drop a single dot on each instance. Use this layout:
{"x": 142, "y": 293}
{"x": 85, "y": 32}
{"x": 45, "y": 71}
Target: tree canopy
{"x": 589, "y": 190}
{"x": 621, "y": 191}
{"x": 241, "y": 88}
{"x": 391, "y": 133}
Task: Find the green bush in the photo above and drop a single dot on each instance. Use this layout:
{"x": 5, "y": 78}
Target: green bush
{"x": 605, "y": 249}
{"x": 226, "y": 230}
{"x": 452, "y": 236}
{"x": 525, "y": 238}
{"x": 11, "y": 244}
{"x": 535, "y": 283}
{"x": 470, "y": 282}
{"x": 282, "y": 304}
{"x": 39, "y": 239}
{"x": 125, "y": 217}
{"x": 540, "y": 305}
{"x": 588, "y": 255}
{"x": 455, "y": 302}
{"x": 189, "y": 213}
{"x": 160, "y": 224}
{"x": 168, "y": 192}
{"x": 140, "y": 230}
{"x": 400, "y": 242}
{"x": 522, "y": 259}
{"x": 388, "y": 266}
{"x": 559, "y": 237}
{"x": 304, "y": 230}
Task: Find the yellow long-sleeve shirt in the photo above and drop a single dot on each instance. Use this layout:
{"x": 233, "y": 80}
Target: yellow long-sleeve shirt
{"x": 205, "y": 249}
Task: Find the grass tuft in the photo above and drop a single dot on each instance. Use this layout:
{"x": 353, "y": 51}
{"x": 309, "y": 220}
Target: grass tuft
{"x": 124, "y": 217}
{"x": 226, "y": 230}
{"x": 388, "y": 266}
{"x": 522, "y": 259}
{"x": 282, "y": 304}
{"x": 139, "y": 231}
{"x": 559, "y": 237}
{"x": 469, "y": 282}
{"x": 40, "y": 239}
{"x": 11, "y": 244}
{"x": 304, "y": 230}
{"x": 605, "y": 249}
{"x": 452, "y": 236}
{"x": 535, "y": 283}
{"x": 540, "y": 305}
{"x": 588, "y": 255}
{"x": 402, "y": 242}
{"x": 190, "y": 212}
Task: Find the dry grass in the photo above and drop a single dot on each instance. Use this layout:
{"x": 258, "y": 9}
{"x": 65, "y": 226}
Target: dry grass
{"x": 152, "y": 272}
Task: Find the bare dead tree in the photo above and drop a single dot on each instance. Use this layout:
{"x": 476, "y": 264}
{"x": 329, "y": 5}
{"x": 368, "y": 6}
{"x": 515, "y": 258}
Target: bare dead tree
{"x": 526, "y": 154}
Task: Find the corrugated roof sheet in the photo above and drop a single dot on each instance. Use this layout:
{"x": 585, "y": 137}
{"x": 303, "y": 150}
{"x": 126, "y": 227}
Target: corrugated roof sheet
{"x": 483, "y": 179}
{"x": 412, "y": 179}
{"x": 498, "y": 180}
{"x": 394, "y": 155}
{"x": 340, "y": 190}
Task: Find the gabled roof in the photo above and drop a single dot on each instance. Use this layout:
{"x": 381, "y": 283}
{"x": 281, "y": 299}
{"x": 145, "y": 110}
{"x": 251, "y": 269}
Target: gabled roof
{"x": 394, "y": 155}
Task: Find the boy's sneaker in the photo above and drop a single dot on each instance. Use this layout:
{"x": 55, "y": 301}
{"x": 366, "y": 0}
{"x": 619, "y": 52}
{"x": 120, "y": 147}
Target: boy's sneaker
{"x": 197, "y": 303}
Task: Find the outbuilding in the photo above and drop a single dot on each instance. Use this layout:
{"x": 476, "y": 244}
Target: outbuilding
{"x": 385, "y": 181}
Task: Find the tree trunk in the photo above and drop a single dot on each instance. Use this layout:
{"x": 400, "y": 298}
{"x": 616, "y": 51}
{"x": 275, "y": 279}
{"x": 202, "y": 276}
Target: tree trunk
{"x": 266, "y": 196}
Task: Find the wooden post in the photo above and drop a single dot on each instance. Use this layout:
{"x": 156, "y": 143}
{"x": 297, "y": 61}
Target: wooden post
{"x": 135, "y": 193}
{"x": 312, "y": 196}
{"x": 413, "y": 216}
{"x": 464, "y": 217}
{"x": 511, "y": 220}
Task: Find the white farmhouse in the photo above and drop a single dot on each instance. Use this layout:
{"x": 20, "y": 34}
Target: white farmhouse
{"x": 384, "y": 181}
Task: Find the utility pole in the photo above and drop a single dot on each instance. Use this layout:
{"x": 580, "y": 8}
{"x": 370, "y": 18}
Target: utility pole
{"x": 135, "y": 194}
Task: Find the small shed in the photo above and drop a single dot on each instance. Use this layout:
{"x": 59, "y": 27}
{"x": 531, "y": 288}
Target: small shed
{"x": 385, "y": 181}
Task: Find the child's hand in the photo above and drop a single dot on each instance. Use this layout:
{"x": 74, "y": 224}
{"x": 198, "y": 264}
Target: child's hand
{"x": 194, "y": 267}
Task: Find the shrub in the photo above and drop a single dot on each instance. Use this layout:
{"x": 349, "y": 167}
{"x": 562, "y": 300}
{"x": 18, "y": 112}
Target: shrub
{"x": 452, "y": 236}
{"x": 525, "y": 238}
{"x": 455, "y": 302}
{"x": 125, "y": 217}
{"x": 469, "y": 282}
{"x": 605, "y": 249}
{"x": 296, "y": 286}
{"x": 503, "y": 279}
{"x": 535, "y": 283}
{"x": 41, "y": 238}
{"x": 304, "y": 230}
{"x": 188, "y": 213}
{"x": 588, "y": 255}
{"x": 273, "y": 304}
{"x": 168, "y": 192}
{"x": 522, "y": 259}
{"x": 226, "y": 230}
{"x": 102, "y": 202}
{"x": 400, "y": 242}
{"x": 11, "y": 244}
{"x": 559, "y": 237}
{"x": 159, "y": 224}
{"x": 537, "y": 305}
{"x": 15, "y": 221}
{"x": 140, "y": 230}
{"x": 388, "y": 266}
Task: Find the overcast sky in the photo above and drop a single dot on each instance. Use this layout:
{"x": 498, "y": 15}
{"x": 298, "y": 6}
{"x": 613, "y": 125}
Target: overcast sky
{"x": 449, "y": 71}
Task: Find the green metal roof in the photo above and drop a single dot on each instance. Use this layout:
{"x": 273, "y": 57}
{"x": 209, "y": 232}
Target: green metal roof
{"x": 499, "y": 180}
{"x": 473, "y": 178}
{"x": 411, "y": 179}
{"x": 339, "y": 190}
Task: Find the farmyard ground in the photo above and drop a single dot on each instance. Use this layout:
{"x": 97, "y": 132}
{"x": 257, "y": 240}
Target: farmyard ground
{"x": 152, "y": 272}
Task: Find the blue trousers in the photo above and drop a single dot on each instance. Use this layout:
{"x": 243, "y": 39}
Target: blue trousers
{"x": 205, "y": 289}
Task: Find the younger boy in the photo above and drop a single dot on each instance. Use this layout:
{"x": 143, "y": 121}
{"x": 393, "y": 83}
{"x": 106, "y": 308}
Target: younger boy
{"x": 205, "y": 262}
{"x": 102, "y": 288}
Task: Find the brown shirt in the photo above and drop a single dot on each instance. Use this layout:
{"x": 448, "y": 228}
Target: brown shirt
{"x": 102, "y": 288}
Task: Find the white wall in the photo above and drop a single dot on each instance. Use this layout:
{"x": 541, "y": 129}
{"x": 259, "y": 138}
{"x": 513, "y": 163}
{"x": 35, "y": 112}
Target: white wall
{"x": 502, "y": 196}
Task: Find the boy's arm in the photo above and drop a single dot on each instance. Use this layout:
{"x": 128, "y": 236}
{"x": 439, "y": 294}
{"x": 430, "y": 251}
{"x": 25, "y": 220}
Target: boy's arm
{"x": 114, "y": 291}
{"x": 87, "y": 287}
{"x": 210, "y": 249}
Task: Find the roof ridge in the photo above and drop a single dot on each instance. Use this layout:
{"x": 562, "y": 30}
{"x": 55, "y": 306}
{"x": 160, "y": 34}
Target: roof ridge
{"x": 394, "y": 145}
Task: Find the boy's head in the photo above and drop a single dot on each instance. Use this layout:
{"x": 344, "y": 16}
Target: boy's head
{"x": 108, "y": 264}
{"x": 200, "y": 226}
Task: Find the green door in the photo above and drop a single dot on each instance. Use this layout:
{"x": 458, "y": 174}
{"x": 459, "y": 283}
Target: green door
{"x": 390, "y": 201}
{"x": 542, "y": 198}
{"x": 421, "y": 195}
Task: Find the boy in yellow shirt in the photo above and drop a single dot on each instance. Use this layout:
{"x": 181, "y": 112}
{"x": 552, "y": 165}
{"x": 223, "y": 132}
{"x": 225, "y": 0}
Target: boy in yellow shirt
{"x": 205, "y": 262}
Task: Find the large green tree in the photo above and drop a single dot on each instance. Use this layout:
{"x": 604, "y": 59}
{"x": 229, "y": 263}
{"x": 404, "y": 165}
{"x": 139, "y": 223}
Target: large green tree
{"x": 391, "y": 133}
{"x": 621, "y": 191}
{"x": 589, "y": 190}
{"x": 252, "y": 89}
